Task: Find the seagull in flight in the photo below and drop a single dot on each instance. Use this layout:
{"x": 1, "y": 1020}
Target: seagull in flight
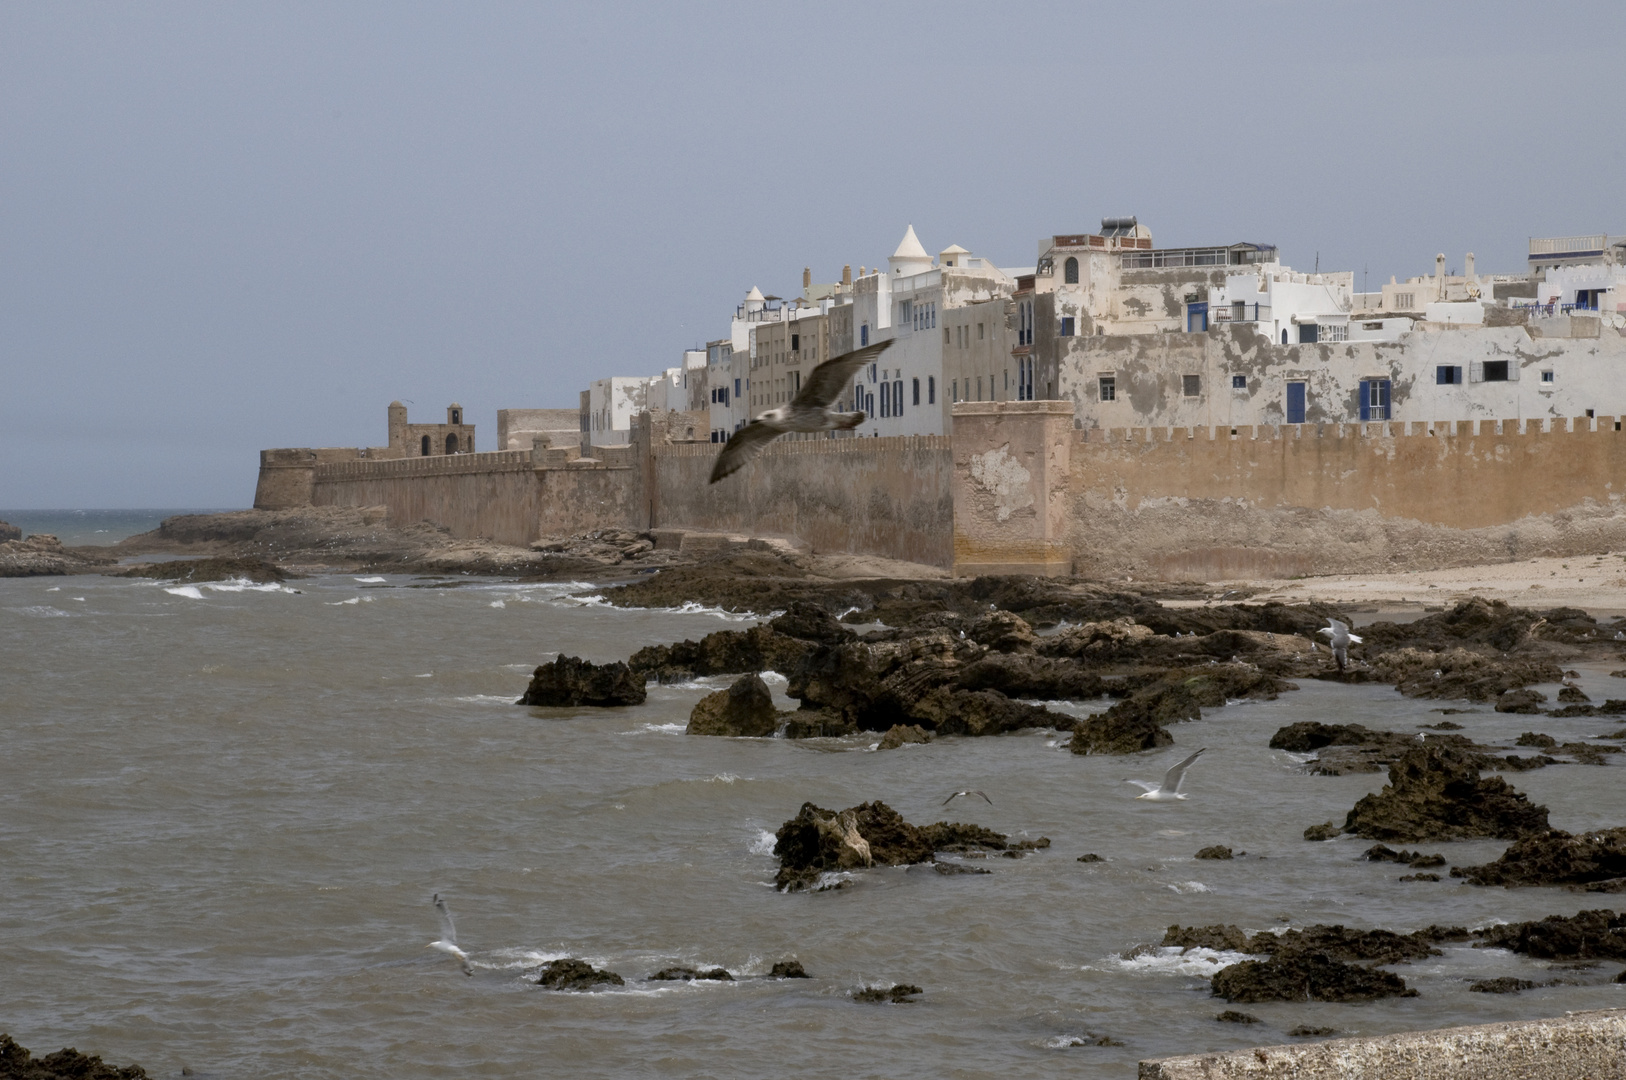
{"x": 1341, "y": 638}
{"x": 809, "y": 411}
{"x": 957, "y": 794}
{"x": 1169, "y": 790}
{"x": 448, "y": 937}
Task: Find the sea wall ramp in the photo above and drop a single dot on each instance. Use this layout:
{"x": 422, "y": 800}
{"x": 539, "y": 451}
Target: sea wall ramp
{"x": 1579, "y": 1046}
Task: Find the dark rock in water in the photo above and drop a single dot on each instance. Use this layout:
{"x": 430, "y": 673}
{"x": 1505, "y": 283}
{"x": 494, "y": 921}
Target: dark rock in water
{"x": 746, "y": 708}
{"x": 818, "y": 841}
{"x": 1532, "y": 738}
{"x": 1419, "y": 877}
{"x": 1327, "y": 830}
{"x": 1091, "y": 857}
{"x": 1587, "y": 935}
{"x": 1572, "y": 695}
{"x": 898, "y": 995}
{"x": 255, "y": 569}
{"x": 1028, "y": 676}
{"x": 816, "y": 724}
{"x": 1520, "y": 701}
{"x": 1231, "y": 1016}
{"x": 684, "y": 973}
{"x": 1504, "y": 985}
{"x": 980, "y": 712}
{"x": 1305, "y": 977}
{"x": 1220, "y": 938}
{"x": 1347, "y": 748}
{"x": 899, "y": 734}
{"x": 789, "y": 969}
{"x": 570, "y": 681}
{"x": 1002, "y": 631}
{"x": 1085, "y": 1039}
{"x": 1342, "y": 943}
{"x": 1621, "y": 978}
{"x": 576, "y": 975}
{"x": 810, "y": 622}
{"x": 16, "y": 1063}
{"x": 1448, "y": 725}
{"x": 1136, "y": 722}
{"x": 9, "y": 531}
{"x": 725, "y": 652}
{"x": 1414, "y": 859}
{"x": 1556, "y": 857}
{"x": 1433, "y": 794}
{"x": 951, "y": 868}
{"x": 1216, "y": 851}
{"x": 1456, "y": 672}
{"x": 1307, "y": 1030}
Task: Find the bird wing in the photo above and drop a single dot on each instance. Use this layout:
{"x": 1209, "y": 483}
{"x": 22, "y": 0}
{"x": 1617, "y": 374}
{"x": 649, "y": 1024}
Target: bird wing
{"x": 1339, "y": 629}
{"x": 825, "y": 382}
{"x": 1144, "y": 785}
{"x": 448, "y": 932}
{"x": 1177, "y": 772}
{"x": 984, "y": 795}
{"x": 1355, "y": 638}
{"x": 742, "y": 446}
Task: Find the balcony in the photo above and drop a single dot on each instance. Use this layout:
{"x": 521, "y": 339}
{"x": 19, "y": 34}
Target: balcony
{"x": 1239, "y": 313}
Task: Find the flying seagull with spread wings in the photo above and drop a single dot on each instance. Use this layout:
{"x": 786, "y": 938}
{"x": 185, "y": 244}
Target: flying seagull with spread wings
{"x": 1169, "y": 790}
{"x": 448, "y": 937}
{"x": 809, "y": 411}
{"x": 968, "y": 794}
{"x": 1341, "y": 640}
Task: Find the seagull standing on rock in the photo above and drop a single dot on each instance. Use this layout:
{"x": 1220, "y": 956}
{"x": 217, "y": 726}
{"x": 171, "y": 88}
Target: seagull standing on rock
{"x": 1169, "y": 790}
{"x": 1341, "y": 638}
{"x": 809, "y": 411}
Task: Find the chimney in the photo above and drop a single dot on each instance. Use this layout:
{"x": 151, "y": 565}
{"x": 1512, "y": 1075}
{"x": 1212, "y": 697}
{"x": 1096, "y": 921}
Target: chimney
{"x": 846, "y": 277}
{"x": 807, "y": 277}
{"x": 1468, "y": 266}
{"x": 1439, "y": 276}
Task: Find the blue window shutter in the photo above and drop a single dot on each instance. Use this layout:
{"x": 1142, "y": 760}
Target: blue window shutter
{"x": 1383, "y": 393}
{"x": 1366, "y": 409}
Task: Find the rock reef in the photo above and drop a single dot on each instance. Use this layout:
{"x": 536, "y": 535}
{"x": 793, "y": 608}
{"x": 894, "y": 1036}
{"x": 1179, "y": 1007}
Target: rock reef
{"x": 16, "y": 1063}
{"x": 1434, "y": 793}
{"x": 1591, "y": 862}
{"x": 570, "y": 682}
{"x": 573, "y": 974}
{"x": 744, "y": 709}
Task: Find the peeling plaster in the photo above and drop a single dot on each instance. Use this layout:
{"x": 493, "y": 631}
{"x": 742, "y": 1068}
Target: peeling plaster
{"x": 1004, "y": 478}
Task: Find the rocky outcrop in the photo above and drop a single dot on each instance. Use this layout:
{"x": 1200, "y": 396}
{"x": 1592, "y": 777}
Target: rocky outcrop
{"x": 16, "y": 1063}
{"x": 569, "y": 682}
{"x": 1305, "y": 977}
{"x": 9, "y": 531}
{"x": 1593, "y": 862}
{"x": 818, "y": 841}
{"x": 1337, "y": 942}
{"x": 725, "y": 652}
{"x": 684, "y": 973}
{"x": 1433, "y": 794}
{"x": 1586, "y": 935}
{"x": 1354, "y": 748}
{"x": 576, "y": 975}
{"x": 1215, "y": 851}
{"x": 900, "y": 994}
{"x": 1414, "y": 859}
{"x": 43, "y": 554}
{"x": 902, "y": 734}
{"x": 746, "y": 708}
{"x": 788, "y": 969}
{"x": 1136, "y": 722}
{"x": 211, "y": 568}
{"x": 809, "y": 622}
{"x": 816, "y": 724}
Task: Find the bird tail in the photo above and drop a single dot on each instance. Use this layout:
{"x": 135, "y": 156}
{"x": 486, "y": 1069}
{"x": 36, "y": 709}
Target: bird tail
{"x": 849, "y": 421}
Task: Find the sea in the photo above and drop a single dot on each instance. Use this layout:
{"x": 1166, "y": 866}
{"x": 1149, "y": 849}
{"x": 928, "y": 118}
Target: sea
{"x": 225, "y": 808}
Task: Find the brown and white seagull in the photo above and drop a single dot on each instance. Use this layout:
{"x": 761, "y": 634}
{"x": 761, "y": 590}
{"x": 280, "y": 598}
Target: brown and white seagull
{"x": 808, "y": 411}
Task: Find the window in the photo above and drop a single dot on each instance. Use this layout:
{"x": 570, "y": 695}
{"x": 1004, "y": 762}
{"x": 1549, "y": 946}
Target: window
{"x": 931, "y": 389}
{"x": 1496, "y": 371}
{"x": 945, "y": 335}
{"x": 1335, "y": 332}
{"x": 886, "y": 399}
{"x": 1109, "y": 387}
{"x": 897, "y": 397}
{"x": 1374, "y": 398}
{"x": 954, "y": 388}
{"x": 979, "y": 331}
{"x": 1069, "y": 271}
{"x": 1447, "y": 375}
{"x": 1284, "y": 335}
{"x": 1371, "y": 326}
{"x": 1239, "y": 382}
{"x": 1403, "y": 301}
{"x": 1295, "y": 402}
{"x": 1066, "y": 326}
{"x": 1309, "y": 333}
{"x": 736, "y": 388}
{"x": 1546, "y": 376}
{"x": 1191, "y": 385}
{"x": 915, "y": 388}
{"x": 979, "y": 387}
{"x": 795, "y": 342}
{"x": 863, "y": 335}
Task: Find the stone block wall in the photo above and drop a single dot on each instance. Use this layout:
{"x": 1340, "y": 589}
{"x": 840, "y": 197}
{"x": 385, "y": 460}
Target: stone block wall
{"x": 491, "y": 495}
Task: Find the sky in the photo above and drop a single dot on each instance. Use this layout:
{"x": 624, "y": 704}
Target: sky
{"x": 225, "y": 227}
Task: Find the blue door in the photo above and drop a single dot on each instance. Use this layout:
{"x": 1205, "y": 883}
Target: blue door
{"x": 1196, "y": 317}
{"x": 1295, "y": 403}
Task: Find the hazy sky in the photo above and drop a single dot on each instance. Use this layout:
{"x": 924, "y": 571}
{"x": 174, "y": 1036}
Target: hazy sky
{"x": 232, "y": 226}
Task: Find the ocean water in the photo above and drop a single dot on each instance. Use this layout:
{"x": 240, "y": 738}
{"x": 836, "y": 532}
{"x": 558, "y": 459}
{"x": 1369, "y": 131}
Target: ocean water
{"x": 224, "y": 809}
{"x": 77, "y": 528}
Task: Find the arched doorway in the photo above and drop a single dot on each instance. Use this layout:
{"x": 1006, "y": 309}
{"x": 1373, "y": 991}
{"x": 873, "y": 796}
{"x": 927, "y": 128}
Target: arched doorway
{"x": 425, "y": 445}
{"x": 451, "y": 444}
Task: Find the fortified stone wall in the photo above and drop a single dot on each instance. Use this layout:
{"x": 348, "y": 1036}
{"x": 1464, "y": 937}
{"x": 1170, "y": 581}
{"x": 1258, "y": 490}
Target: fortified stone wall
{"x": 492, "y": 495}
{"x": 891, "y": 496}
{"x": 286, "y": 475}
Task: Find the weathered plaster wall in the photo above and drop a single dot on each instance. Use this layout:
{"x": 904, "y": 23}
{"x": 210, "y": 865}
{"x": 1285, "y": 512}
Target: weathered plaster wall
{"x": 1579, "y": 1046}
{"x": 890, "y": 496}
{"x": 1011, "y": 499}
{"x": 1588, "y": 373}
{"x": 1203, "y": 504}
{"x": 492, "y": 495}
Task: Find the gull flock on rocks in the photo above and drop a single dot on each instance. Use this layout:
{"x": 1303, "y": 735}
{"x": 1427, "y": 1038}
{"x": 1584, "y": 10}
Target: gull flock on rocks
{"x": 808, "y": 412}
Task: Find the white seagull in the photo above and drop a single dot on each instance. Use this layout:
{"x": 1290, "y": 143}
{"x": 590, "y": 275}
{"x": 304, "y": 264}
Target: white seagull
{"x": 448, "y": 937}
{"x": 1341, "y": 639}
{"x": 1169, "y": 790}
{"x": 808, "y": 411}
{"x": 957, "y": 794}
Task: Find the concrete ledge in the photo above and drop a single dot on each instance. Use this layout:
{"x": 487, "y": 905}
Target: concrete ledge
{"x": 1047, "y": 568}
{"x": 1579, "y": 1046}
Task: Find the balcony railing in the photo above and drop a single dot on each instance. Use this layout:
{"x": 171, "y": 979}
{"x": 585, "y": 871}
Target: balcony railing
{"x": 1239, "y": 313}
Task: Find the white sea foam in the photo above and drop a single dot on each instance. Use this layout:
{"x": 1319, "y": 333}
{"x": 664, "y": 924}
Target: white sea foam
{"x": 42, "y": 611}
{"x": 1189, "y": 887}
{"x": 764, "y": 842}
{"x": 341, "y": 603}
{"x": 1172, "y": 960}
{"x": 245, "y": 585}
{"x": 487, "y": 699}
{"x": 498, "y": 604}
{"x": 722, "y": 778}
{"x": 54, "y": 588}
{"x": 661, "y": 729}
{"x": 370, "y": 580}
{"x": 191, "y": 592}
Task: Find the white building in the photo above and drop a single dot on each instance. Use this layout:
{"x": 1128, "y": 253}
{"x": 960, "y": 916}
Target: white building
{"x": 1287, "y": 307}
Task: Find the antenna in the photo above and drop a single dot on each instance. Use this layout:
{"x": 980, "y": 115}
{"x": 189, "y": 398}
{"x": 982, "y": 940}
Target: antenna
{"x": 1318, "y": 262}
